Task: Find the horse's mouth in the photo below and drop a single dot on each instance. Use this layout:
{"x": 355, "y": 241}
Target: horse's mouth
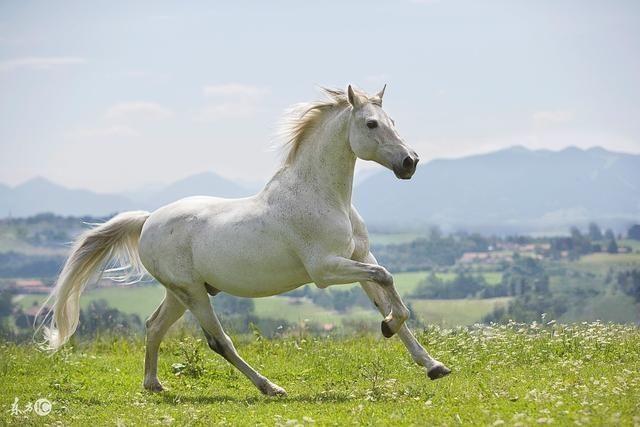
{"x": 403, "y": 174}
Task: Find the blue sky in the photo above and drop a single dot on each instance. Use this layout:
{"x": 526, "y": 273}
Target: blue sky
{"x": 114, "y": 96}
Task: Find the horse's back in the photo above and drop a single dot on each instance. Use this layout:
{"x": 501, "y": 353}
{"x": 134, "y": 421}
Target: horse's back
{"x": 237, "y": 246}
{"x": 166, "y": 238}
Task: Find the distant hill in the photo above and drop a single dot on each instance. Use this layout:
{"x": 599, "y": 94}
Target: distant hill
{"x": 515, "y": 188}
{"x": 41, "y": 195}
{"x": 206, "y": 183}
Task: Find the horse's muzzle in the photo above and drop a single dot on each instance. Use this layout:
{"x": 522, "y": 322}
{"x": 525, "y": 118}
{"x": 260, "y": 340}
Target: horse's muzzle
{"x": 407, "y": 168}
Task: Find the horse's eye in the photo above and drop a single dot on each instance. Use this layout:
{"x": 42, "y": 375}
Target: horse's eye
{"x": 372, "y": 124}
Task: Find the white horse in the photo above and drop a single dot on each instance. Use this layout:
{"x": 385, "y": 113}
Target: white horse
{"x": 300, "y": 228}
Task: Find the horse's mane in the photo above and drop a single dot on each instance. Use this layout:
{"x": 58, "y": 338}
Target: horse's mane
{"x": 301, "y": 118}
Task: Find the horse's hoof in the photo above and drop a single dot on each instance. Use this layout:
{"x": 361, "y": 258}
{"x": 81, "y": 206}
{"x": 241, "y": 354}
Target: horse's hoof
{"x": 155, "y": 387}
{"x": 271, "y": 389}
{"x": 438, "y": 371}
{"x": 278, "y": 391}
{"x": 386, "y": 329}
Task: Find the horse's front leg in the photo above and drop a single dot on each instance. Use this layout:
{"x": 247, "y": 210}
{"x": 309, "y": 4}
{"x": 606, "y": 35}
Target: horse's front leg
{"x": 377, "y": 295}
{"x": 339, "y": 270}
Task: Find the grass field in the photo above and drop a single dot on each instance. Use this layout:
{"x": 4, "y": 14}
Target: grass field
{"x": 294, "y": 311}
{"x": 586, "y": 374}
{"x": 599, "y": 263}
{"x": 454, "y": 312}
{"x": 407, "y": 282}
{"x": 633, "y": 244}
{"x": 142, "y": 300}
{"x": 393, "y": 238}
{"x": 616, "y": 307}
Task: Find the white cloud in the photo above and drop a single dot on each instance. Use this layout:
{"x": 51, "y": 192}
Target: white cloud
{"x": 235, "y": 90}
{"x": 120, "y": 125}
{"x": 231, "y": 101}
{"x": 226, "y": 110}
{"x": 114, "y": 132}
{"x": 138, "y": 110}
{"x": 39, "y": 63}
{"x": 552, "y": 117}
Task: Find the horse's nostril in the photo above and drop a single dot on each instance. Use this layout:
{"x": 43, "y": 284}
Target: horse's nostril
{"x": 408, "y": 163}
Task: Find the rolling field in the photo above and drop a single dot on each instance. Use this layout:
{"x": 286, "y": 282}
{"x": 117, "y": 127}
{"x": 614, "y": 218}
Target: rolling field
{"x": 446, "y": 313}
{"x": 136, "y": 299}
{"x": 633, "y": 244}
{"x": 393, "y": 238}
{"x": 143, "y": 299}
{"x": 454, "y": 312}
{"x": 587, "y": 374}
{"x": 599, "y": 263}
{"x": 407, "y": 282}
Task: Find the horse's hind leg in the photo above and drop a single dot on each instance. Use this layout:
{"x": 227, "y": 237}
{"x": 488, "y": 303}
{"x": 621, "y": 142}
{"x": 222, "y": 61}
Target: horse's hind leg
{"x": 198, "y": 302}
{"x": 170, "y": 310}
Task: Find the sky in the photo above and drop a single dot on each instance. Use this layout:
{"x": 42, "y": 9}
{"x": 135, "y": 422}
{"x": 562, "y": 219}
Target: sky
{"x": 118, "y": 96}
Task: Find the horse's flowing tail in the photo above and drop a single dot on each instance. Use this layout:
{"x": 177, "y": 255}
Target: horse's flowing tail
{"x": 117, "y": 240}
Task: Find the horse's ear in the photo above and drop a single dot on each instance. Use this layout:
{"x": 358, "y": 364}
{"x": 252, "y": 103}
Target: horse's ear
{"x": 381, "y": 93}
{"x": 378, "y": 96}
{"x": 353, "y": 98}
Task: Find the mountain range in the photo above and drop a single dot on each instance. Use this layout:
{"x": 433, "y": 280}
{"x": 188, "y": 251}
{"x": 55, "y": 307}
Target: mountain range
{"x": 514, "y": 188}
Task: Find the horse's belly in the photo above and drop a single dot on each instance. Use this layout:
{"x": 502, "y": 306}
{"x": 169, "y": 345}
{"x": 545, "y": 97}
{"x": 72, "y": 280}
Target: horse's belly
{"x": 244, "y": 266}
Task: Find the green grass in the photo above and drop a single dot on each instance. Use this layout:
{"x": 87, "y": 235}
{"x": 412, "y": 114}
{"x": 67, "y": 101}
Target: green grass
{"x": 142, "y": 301}
{"x": 455, "y": 312}
{"x": 586, "y": 374}
{"x": 599, "y": 263}
{"x": 448, "y": 313}
{"x": 610, "y": 307}
{"x": 492, "y": 277}
{"x": 633, "y": 244}
{"x": 296, "y": 310}
{"x": 393, "y": 238}
{"x": 138, "y": 299}
{"x": 406, "y": 283}
{"x": 10, "y": 243}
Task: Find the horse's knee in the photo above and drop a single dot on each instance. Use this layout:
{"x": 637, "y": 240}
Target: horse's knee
{"x": 403, "y": 314}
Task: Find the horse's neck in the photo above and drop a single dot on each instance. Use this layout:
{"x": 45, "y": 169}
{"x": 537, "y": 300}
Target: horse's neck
{"x": 325, "y": 162}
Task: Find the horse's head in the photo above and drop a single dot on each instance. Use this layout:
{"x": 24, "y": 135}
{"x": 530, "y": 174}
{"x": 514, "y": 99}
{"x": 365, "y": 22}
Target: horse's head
{"x": 373, "y": 135}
